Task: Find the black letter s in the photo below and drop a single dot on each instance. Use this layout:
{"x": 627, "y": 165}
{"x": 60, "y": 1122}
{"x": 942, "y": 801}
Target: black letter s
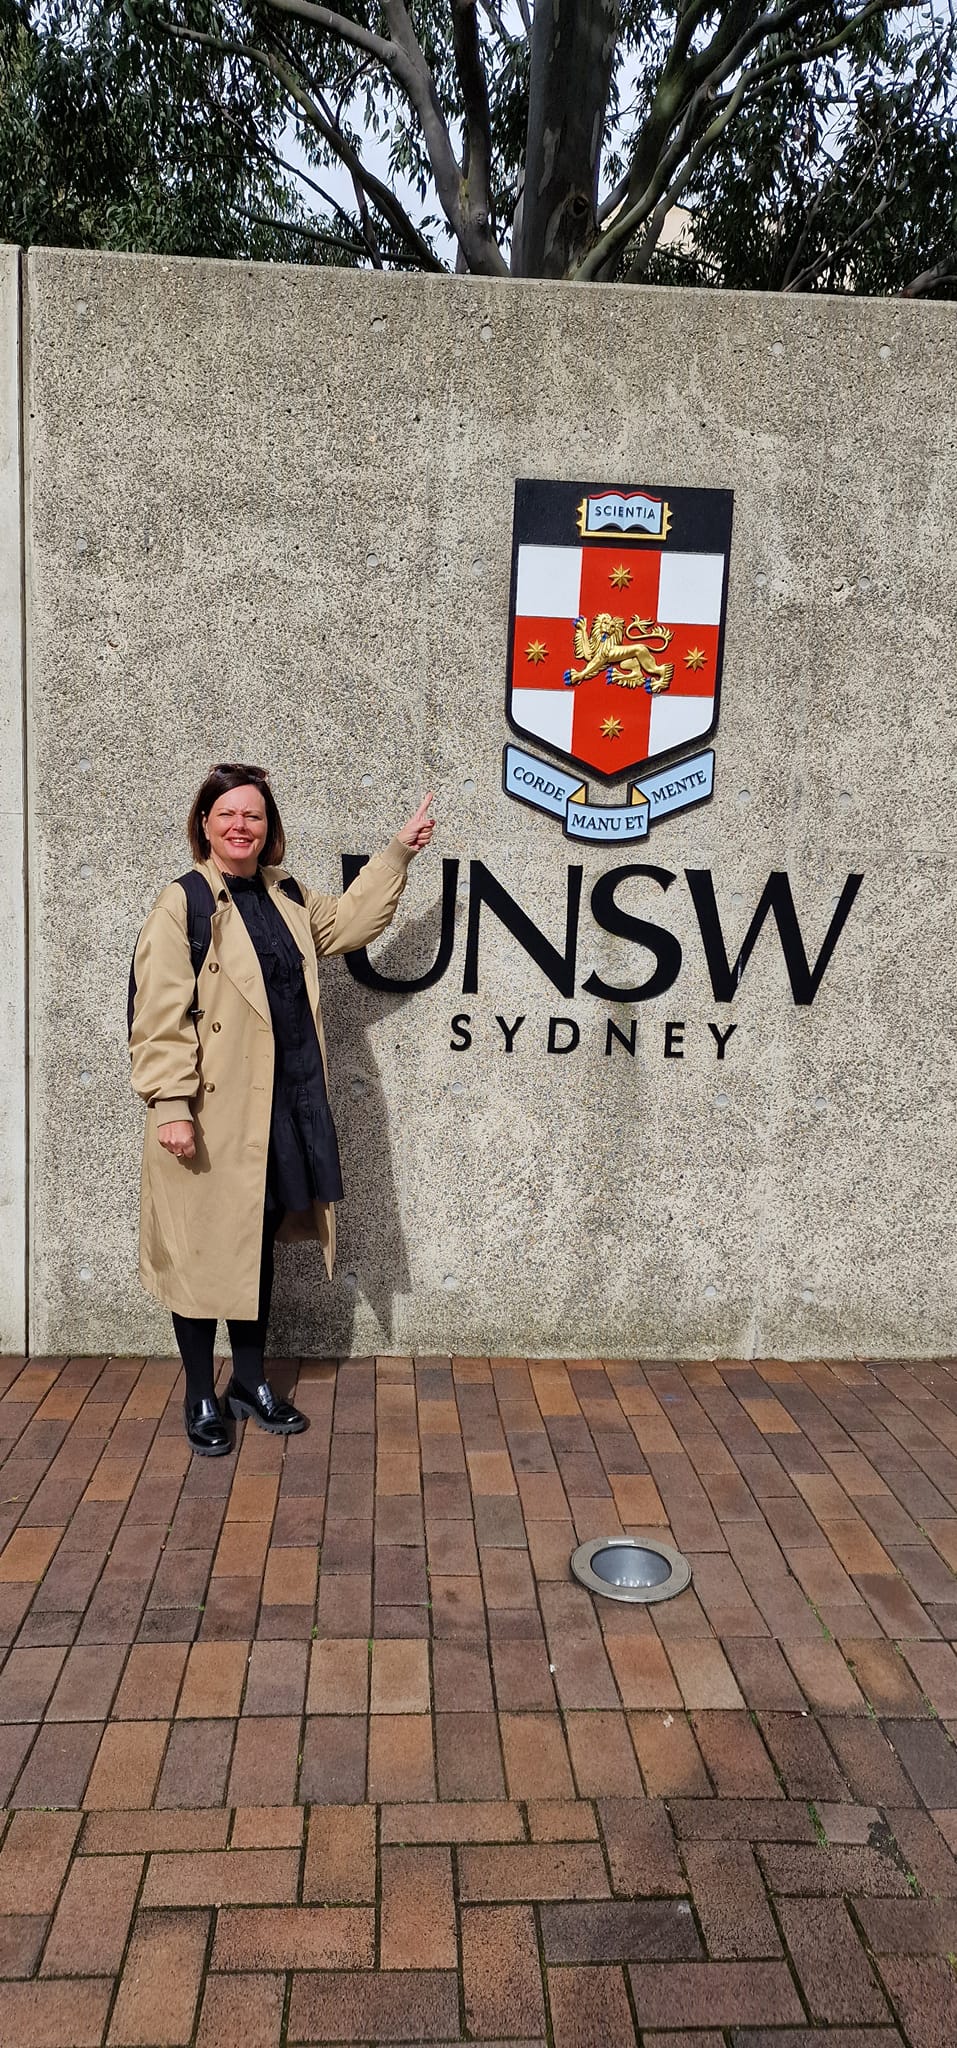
{"x": 622, "y": 925}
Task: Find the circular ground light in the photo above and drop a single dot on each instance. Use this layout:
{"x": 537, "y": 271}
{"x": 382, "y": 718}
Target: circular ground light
{"x": 621, "y": 1568}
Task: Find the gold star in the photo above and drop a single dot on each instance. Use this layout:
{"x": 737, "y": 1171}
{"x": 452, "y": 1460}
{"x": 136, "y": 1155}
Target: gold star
{"x": 611, "y": 728}
{"x": 695, "y": 658}
{"x": 536, "y": 651}
{"x": 620, "y": 576}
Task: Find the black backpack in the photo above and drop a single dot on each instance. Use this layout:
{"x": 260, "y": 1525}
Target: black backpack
{"x": 200, "y": 904}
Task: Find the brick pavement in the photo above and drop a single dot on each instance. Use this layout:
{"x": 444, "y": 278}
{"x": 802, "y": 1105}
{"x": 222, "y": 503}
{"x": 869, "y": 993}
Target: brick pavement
{"x": 414, "y": 1784}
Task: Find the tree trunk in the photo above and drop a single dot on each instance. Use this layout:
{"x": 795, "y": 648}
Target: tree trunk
{"x": 573, "y": 50}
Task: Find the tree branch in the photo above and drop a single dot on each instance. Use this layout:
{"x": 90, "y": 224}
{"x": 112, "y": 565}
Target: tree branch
{"x": 813, "y": 270}
{"x": 944, "y": 272}
{"x": 653, "y": 201}
{"x": 689, "y": 19}
{"x": 470, "y": 71}
{"x": 790, "y": 271}
{"x": 296, "y": 171}
{"x": 382, "y": 196}
{"x": 481, "y": 251}
{"x": 339, "y": 25}
{"x": 493, "y": 15}
{"x": 402, "y": 56}
{"x": 661, "y": 187}
{"x": 688, "y": 84}
{"x": 613, "y": 199}
{"x": 366, "y": 228}
{"x": 290, "y": 227}
{"x": 727, "y": 52}
{"x": 679, "y": 95}
{"x": 788, "y": 59}
{"x": 368, "y": 232}
{"x": 792, "y": 276}
{"x": 641, "y": 260}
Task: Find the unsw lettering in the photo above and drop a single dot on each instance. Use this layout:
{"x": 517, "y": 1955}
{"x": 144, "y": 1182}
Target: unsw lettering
{"x": 558, "y": 961}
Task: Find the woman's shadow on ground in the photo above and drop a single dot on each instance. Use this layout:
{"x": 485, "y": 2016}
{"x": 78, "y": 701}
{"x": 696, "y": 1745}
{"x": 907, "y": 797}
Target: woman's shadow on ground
{"x": 311, "y": 1318}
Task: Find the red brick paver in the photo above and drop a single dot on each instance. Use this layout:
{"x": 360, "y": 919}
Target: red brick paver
{"x": 321, "y": 1743}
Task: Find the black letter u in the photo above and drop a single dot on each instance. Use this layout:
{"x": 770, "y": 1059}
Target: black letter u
{"x": 359, "y": 964}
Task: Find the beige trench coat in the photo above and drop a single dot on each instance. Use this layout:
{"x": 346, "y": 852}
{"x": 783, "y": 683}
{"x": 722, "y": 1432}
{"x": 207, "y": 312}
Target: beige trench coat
{"x": 201, "y": 1218}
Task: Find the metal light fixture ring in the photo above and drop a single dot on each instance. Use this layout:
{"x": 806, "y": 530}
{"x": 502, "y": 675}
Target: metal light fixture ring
{"x": 626, "y": 1568}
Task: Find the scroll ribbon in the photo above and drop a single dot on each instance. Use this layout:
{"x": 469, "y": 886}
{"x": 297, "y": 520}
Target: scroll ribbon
{"x": 546, "y": 788}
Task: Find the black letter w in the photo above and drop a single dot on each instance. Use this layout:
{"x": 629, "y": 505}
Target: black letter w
{"x": 777, "y": 899}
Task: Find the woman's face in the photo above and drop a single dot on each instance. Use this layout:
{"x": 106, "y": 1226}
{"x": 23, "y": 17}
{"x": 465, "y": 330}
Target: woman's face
{"x": 236, "y": 829}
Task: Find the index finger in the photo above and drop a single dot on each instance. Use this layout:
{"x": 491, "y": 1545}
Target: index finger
{"x": 424, "y": 805}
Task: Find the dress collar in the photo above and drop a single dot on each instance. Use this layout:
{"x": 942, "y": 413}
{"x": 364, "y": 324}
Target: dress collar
{"x": 243, "y": 885}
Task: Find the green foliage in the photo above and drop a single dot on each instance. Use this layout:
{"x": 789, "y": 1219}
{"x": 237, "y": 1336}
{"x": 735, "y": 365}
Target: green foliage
{"x": 811, "y": 147}
{"x": 844, "y": 180}
{"x": 106, "y": 142}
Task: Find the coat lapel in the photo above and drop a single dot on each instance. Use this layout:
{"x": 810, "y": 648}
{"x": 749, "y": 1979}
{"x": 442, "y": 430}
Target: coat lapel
{"x": 232, "y": 947}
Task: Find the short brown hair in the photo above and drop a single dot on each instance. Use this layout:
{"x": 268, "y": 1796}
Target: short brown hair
{"x": 234, "y": 775}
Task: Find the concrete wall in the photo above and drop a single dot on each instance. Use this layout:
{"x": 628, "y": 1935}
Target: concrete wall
{"x": 269, "y": 517}
{"x": 13, "y": 1135}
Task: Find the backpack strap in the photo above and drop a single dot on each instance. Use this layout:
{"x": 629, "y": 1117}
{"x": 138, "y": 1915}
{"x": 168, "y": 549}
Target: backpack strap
{"x": 200, "y": 904}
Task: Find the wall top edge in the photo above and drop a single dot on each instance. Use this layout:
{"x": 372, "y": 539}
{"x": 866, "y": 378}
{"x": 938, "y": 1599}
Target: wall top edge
{"x": 47, "y": 262}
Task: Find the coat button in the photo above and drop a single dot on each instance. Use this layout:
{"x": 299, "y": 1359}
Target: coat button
{"x": 217, "y": 1027}
{"x": 210, "y": 1087}
{"x": 213, "y": 968}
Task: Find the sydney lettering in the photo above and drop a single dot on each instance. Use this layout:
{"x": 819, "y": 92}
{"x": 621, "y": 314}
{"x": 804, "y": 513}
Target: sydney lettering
{"x": 564, "y": 1035}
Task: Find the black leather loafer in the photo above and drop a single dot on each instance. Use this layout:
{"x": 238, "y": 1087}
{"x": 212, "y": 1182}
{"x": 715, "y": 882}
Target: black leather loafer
{"x": 265, "y": 1408}
{"x": 206, "y": 1429}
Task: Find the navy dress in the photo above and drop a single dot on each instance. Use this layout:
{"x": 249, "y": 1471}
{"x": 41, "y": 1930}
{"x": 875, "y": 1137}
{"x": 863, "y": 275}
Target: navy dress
{"x": 303, "y": 1159}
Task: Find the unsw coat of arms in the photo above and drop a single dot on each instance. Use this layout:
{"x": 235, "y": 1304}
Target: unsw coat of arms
{"x": 616, "y": 629}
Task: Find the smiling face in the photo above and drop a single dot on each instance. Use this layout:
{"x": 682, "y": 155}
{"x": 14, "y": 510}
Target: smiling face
{"x": 236, "y": 829}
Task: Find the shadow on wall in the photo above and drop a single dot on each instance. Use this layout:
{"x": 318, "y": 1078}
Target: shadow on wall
{"x": 372, "y": 1264}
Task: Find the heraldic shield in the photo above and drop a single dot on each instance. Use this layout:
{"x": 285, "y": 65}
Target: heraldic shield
{"x": 616, "y": 623}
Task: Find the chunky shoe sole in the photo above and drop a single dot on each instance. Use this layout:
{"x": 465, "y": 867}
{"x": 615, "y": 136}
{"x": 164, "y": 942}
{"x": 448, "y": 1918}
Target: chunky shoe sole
{"x": 209, "y": 1450}
{"x": 240, "y": 1409}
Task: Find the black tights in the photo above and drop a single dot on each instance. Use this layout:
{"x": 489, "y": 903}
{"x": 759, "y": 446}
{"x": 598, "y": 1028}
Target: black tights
{"x": 196, "y": 1335}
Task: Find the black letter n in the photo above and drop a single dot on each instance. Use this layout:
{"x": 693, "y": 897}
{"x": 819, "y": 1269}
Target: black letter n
{"x": 558, "y": 967}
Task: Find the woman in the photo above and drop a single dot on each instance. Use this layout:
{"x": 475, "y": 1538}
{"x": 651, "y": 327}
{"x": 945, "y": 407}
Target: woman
{"x": 229, "y": 1056}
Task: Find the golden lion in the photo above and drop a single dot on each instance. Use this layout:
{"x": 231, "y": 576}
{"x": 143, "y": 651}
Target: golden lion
{"x": 628, "y": 660}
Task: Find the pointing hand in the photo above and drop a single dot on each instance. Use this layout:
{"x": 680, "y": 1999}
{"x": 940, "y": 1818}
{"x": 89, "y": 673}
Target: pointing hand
{"x": 417, "y": 831}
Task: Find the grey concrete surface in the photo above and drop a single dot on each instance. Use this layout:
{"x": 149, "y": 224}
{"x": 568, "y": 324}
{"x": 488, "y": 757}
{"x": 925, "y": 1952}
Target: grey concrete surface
{"x": 270, "y": 516}
{"x": 13, "y": 1203}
